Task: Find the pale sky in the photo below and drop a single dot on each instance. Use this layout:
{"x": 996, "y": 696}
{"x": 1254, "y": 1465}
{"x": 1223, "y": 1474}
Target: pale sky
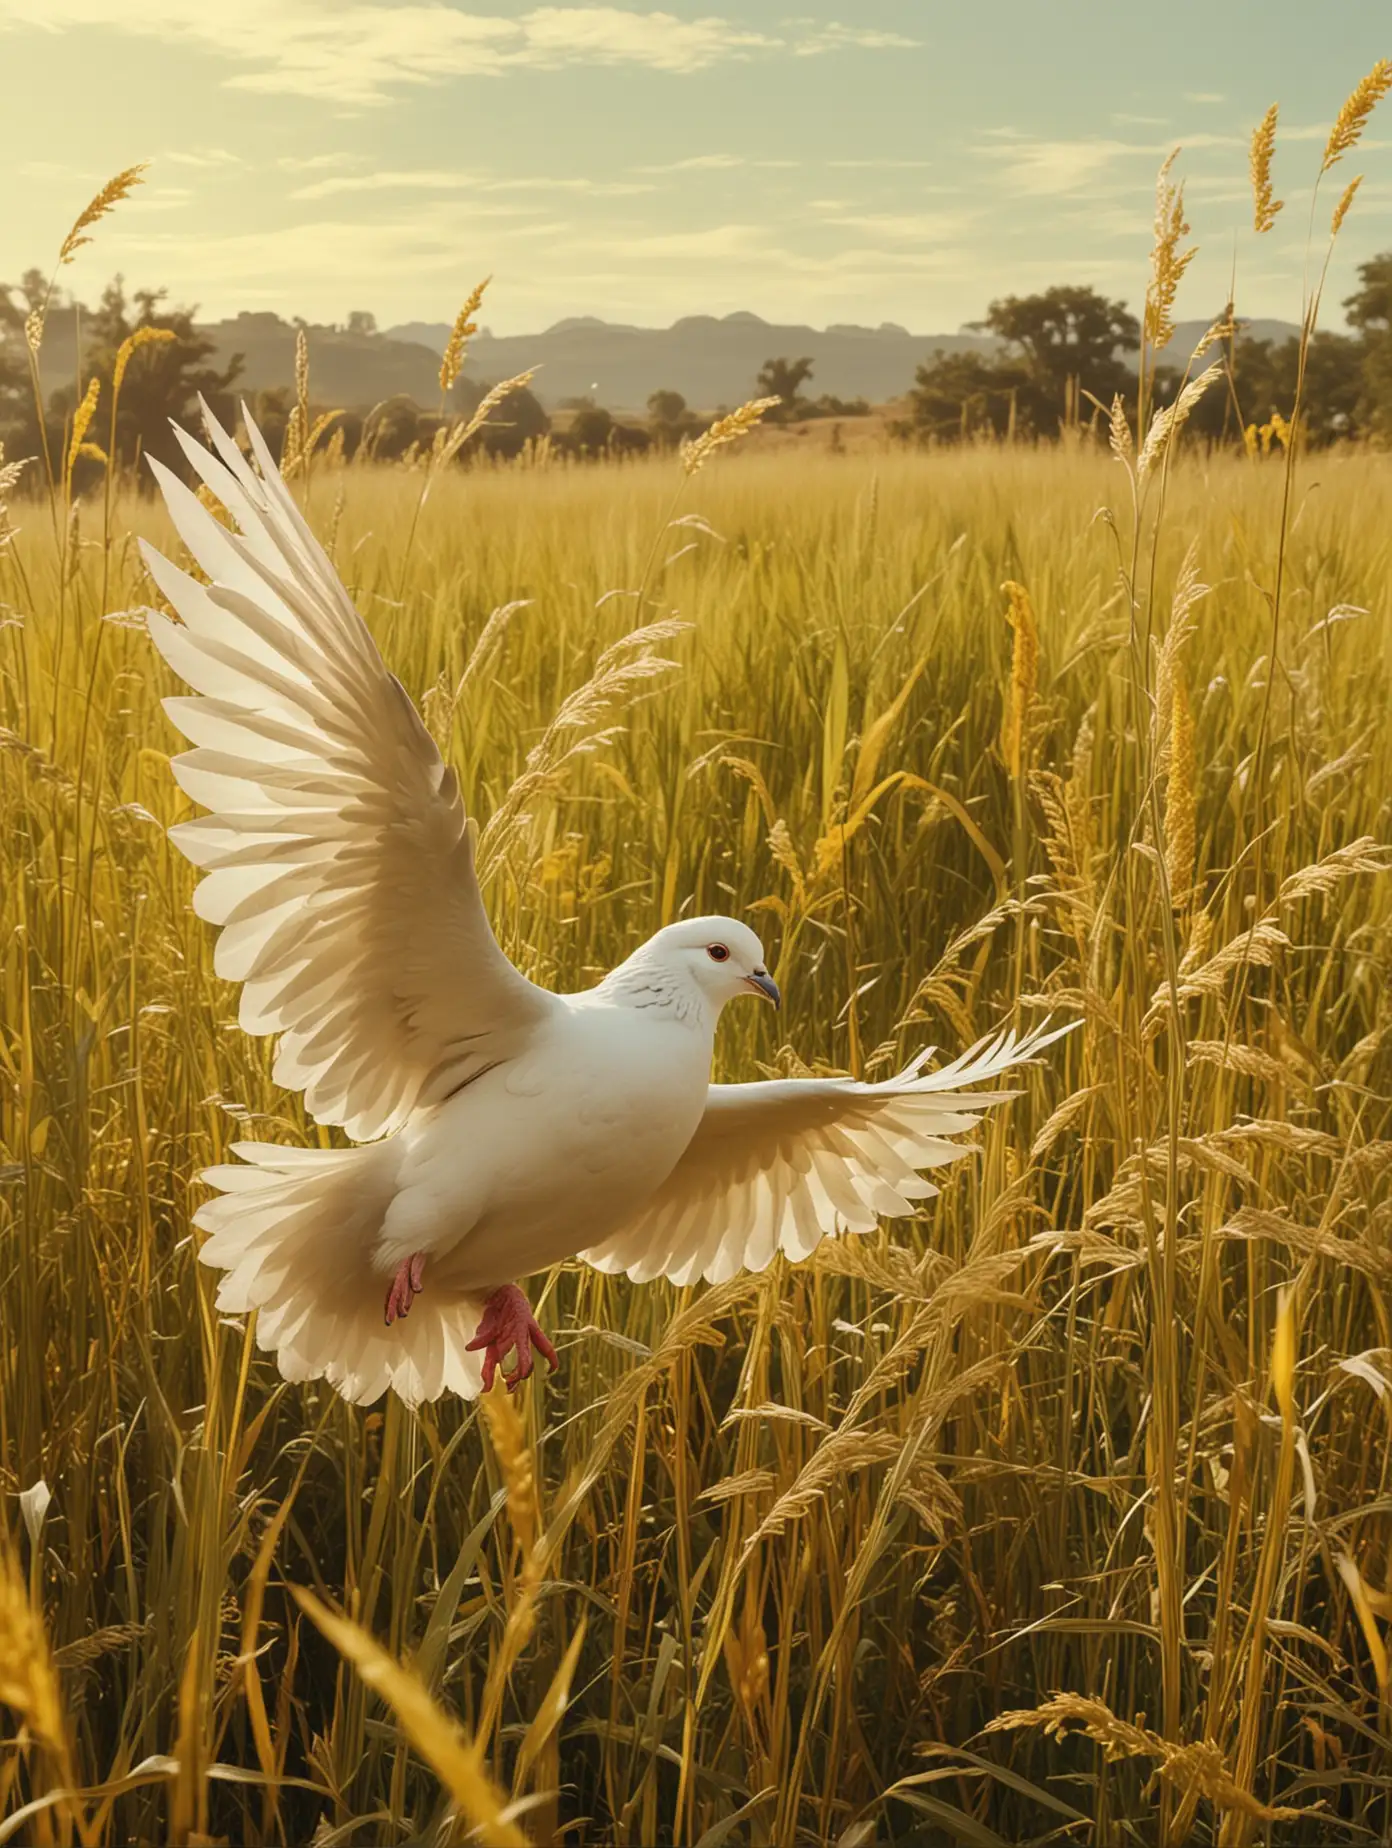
{"x": 858, "y": 160}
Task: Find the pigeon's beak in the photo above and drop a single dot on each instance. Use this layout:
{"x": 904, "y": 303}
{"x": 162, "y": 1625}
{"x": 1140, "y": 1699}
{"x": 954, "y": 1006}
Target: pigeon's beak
{"x": 763, "y": 984}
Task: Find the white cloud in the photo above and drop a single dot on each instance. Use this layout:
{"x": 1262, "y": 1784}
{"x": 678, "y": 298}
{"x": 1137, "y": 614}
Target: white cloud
{"x": 1217, "y": 191}
{"x": 612, "y": 35}
{"x": 1204, "y": 96}
{"x": 355, "y": 53}
{"x": 716, "y": 163}
{"x": 360, "y": 52}
{"x": 202, "y": 157}
{"x": 162, "y": 199}
{"x": 902, "y": 227}
{"x": 1046, "y": 169}
{"x": 317, "y": 163}
{"x": 836, "y": 37}
{"x": 452, "y": 180}
{"x": 881, "y": 165}
{"x": 697, "y": 163}
{"x": 733, "y": 240}
{"x": 51, "y": 170}
{"x": 319, "y": 260}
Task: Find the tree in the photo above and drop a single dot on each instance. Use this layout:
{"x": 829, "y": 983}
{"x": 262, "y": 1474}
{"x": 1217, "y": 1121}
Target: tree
{"x": 666, "y": 407}
{"x": 964, "y": 394}
{"x": 1064, "y": 332}
{"x": 361, "y": 322}
{"x": 669, "y": 419}
{"x": 14, "y": 371}
{"x": 590, "y": 430}
{"x": 1370, "y": 306}
{"x": 19, "y": 415}
{"x": 629, "y": 440}
{"x": 33, "y": 286}
{"x": 1370, "y": 312}
{"x": 1068, "y": 339}
{"x": 784, "y": 378}
{"x": 163, "y": 379}
{"x": 1265, "y": 376}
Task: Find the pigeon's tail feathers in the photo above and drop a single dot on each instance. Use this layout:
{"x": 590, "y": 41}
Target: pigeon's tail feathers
{"x": 295, "y": 1232}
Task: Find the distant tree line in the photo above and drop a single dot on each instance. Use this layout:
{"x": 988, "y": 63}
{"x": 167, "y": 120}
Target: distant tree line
{"x": 1061, "y": 354}
{"x": 163, "y": 380}
{"x": 1066, "y": 351}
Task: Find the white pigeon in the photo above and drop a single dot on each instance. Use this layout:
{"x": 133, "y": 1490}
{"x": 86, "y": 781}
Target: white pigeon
{"x": 502, "y": 1128}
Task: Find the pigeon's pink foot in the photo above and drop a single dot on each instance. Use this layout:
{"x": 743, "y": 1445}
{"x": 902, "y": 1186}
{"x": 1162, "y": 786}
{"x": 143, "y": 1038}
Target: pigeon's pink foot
{"x": 405, "y": 1286}
{"x": 507, "y": 1323}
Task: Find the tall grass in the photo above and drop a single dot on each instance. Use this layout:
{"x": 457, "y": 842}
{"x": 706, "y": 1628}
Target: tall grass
{"x": 1058, "y": 1513}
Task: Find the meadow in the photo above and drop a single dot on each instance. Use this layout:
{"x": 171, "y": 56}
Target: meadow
{"x": 1059, "y": 1513}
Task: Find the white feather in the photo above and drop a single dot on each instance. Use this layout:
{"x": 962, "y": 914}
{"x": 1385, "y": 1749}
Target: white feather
{"x": 802, "y": 1159}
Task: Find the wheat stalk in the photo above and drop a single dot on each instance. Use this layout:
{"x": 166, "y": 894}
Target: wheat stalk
{"x": 516, "y": 1461}
{"x": 1346, "y": 199}
{"x": 130, "y": 346}
{"x": 1167, "y": 261}
{"x": 435, "y": 1734}
{"x": 1180, "y": 799}
{"x": 110, "y": 196}
{"x": 456, "y": 347}
{"x": 1198, "y": 1767}
{"x": 1170, "y": 420}
{"x": 1352, "y": 119}
{"x": 81, "y": 423}
{"x": 697, "y": 451}
{"x": 1024, "y": 676}
{"x": 449, "y": 441}
{"x": 1265, "y": 205}
{"x": 10, "y": 473}
{"x": 1119, "y": 432}
{"x": 28, "y": 1682}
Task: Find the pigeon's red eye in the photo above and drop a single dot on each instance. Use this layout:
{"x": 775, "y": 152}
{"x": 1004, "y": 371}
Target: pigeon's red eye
{"x": 717, "y": 952}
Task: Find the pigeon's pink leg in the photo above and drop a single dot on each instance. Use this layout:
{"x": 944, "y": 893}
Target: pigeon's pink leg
{"x": 405, "y": 1286}
{"x": 507, "y": 1322}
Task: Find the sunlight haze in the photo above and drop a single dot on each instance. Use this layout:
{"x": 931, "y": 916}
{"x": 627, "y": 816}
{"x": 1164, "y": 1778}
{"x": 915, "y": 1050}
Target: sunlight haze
{"x": 878, "y": 162}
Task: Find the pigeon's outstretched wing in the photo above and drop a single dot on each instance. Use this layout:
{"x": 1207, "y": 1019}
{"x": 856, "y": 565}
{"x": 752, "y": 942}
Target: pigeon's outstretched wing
{"x": 780, "y": 1166}
{"x": 339, "y": 858}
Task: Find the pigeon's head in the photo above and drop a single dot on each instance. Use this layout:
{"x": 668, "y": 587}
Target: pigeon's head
{"x": 722, "y": 956}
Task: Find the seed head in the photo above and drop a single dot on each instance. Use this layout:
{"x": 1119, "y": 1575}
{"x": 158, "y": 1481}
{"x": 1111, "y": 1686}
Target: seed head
{"x": 1352, "y": 119}
{"x": 1265, "y": 205}
{"x": 697, "y": 451}
{"x": 465, "y": 327}
{"x": 1024, "y": 675}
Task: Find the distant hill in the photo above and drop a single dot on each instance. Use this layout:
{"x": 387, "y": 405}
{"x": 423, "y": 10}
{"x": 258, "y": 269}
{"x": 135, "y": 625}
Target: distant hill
{"x": 710, "y": 360}
{"x": 716, "y": 361}
{"x": 349, "y": 370}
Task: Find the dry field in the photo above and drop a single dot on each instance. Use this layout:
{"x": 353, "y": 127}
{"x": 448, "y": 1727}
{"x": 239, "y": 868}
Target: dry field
{"x": 1061, "y": 1513}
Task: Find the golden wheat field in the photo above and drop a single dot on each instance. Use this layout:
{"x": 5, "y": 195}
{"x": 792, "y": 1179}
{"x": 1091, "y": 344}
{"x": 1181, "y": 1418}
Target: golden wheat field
{"x": 1059, "y": 1513}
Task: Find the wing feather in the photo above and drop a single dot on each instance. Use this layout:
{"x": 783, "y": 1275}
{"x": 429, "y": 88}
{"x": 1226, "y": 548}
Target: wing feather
{"x": 785, "y": 1164}
{"x": 337, "y": 854}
